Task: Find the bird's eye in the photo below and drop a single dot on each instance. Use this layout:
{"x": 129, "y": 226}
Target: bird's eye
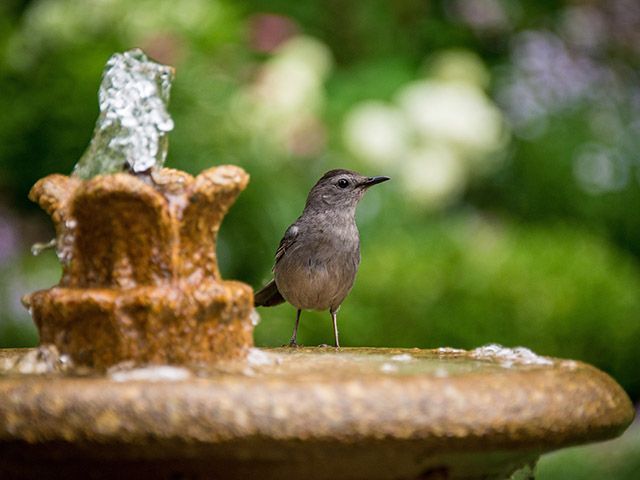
{"x": 343, "y": 183}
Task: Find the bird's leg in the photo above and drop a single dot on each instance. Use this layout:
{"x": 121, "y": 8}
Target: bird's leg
{"x": 334, "y": 318}
{"x": 292, "y": 342}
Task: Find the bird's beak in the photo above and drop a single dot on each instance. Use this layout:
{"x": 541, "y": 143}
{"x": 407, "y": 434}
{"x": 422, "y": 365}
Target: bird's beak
{"x": 370, "y": 181}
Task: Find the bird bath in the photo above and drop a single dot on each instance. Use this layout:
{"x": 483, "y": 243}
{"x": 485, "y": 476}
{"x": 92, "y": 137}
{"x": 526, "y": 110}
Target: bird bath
{"x": 146, "y": 367}
{"x": 314, "y": 413}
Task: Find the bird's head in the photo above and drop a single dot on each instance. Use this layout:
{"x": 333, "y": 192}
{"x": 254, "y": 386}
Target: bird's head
{"x": 340, "y": 189}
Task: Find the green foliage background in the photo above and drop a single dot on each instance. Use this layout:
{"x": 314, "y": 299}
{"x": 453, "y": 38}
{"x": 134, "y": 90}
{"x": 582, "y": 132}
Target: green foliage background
{"x": 524, "y": 255}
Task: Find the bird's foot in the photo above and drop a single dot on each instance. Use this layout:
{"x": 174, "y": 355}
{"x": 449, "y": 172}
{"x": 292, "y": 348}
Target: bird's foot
{"x": 292, "y": 343}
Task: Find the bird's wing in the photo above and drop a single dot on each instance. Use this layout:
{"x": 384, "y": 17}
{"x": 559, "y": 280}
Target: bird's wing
{"x": 287, "y": 241}
{"x": 269, "y": 295}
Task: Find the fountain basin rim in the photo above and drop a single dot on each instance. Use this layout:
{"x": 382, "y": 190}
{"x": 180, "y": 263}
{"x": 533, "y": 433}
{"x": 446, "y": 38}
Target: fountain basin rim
{"x": 526, "y": 407}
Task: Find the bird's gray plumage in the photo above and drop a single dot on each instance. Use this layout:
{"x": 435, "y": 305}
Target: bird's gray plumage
{"x": 318, "y": 257}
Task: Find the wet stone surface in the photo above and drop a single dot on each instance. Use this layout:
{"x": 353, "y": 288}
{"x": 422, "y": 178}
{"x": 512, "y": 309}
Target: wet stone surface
{"x": 308, "y": 412}
{"x": 152, "y": 293}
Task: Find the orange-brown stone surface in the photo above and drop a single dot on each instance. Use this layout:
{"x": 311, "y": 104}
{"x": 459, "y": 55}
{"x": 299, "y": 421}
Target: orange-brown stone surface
{"x": 140, "y": 275}
{"x": 312, "y": 413}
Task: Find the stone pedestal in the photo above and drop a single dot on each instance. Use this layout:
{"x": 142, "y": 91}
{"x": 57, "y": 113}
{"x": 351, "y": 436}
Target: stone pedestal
{"x": 140, "y": 275}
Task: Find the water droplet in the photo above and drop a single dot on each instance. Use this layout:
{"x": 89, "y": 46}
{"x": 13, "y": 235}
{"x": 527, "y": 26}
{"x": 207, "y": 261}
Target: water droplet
{"x": 38, "y": 248}
{"x": 257, "y": 357}
{"x": 388, "y": 368}
{"x": 255, "y": 317}
{"x": 404, "y": 357}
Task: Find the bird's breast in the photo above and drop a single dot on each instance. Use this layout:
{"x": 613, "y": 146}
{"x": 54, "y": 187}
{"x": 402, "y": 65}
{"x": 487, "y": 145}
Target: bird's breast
{"x": 319, "y": 271}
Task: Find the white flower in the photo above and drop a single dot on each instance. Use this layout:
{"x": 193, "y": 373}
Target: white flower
{"x": 291, "y": 82}
{"x": 282, "y": 106}
{"x": 434, "y": 175}
{"x": 287, "y": 86}
{"x": 377, "y": 132}
{"x": 315, "y": 54}
{"x": 459, "y": 66}
{"x": 453, "y": 112}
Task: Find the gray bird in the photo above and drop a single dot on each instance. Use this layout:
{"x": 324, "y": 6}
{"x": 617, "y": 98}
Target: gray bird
{"x": 318, "y": 257}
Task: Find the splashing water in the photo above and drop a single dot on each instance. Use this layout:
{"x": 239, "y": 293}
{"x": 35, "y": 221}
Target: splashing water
{"x": 38, "y": 361}
{"x": 509, "y": 356}
{"x": 150, "y": 373}
{"x": 257, "y": 357}
{"x": 39, "y": 247}
{"x": 131, "y": 132}
{"x": 255, "y": 317}
{"x": 404, "y": 357}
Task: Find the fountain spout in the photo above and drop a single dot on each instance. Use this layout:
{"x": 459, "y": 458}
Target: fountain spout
{"x": 140, "y": 276}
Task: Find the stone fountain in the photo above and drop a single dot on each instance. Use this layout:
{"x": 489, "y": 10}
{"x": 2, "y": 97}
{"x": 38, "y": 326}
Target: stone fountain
{"x": 146, "y": 367}
{"x": 140, "y": 278}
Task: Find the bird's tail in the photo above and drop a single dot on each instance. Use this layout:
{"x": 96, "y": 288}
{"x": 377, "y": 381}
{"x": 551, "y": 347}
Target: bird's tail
{"x": 268, "y": 296}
